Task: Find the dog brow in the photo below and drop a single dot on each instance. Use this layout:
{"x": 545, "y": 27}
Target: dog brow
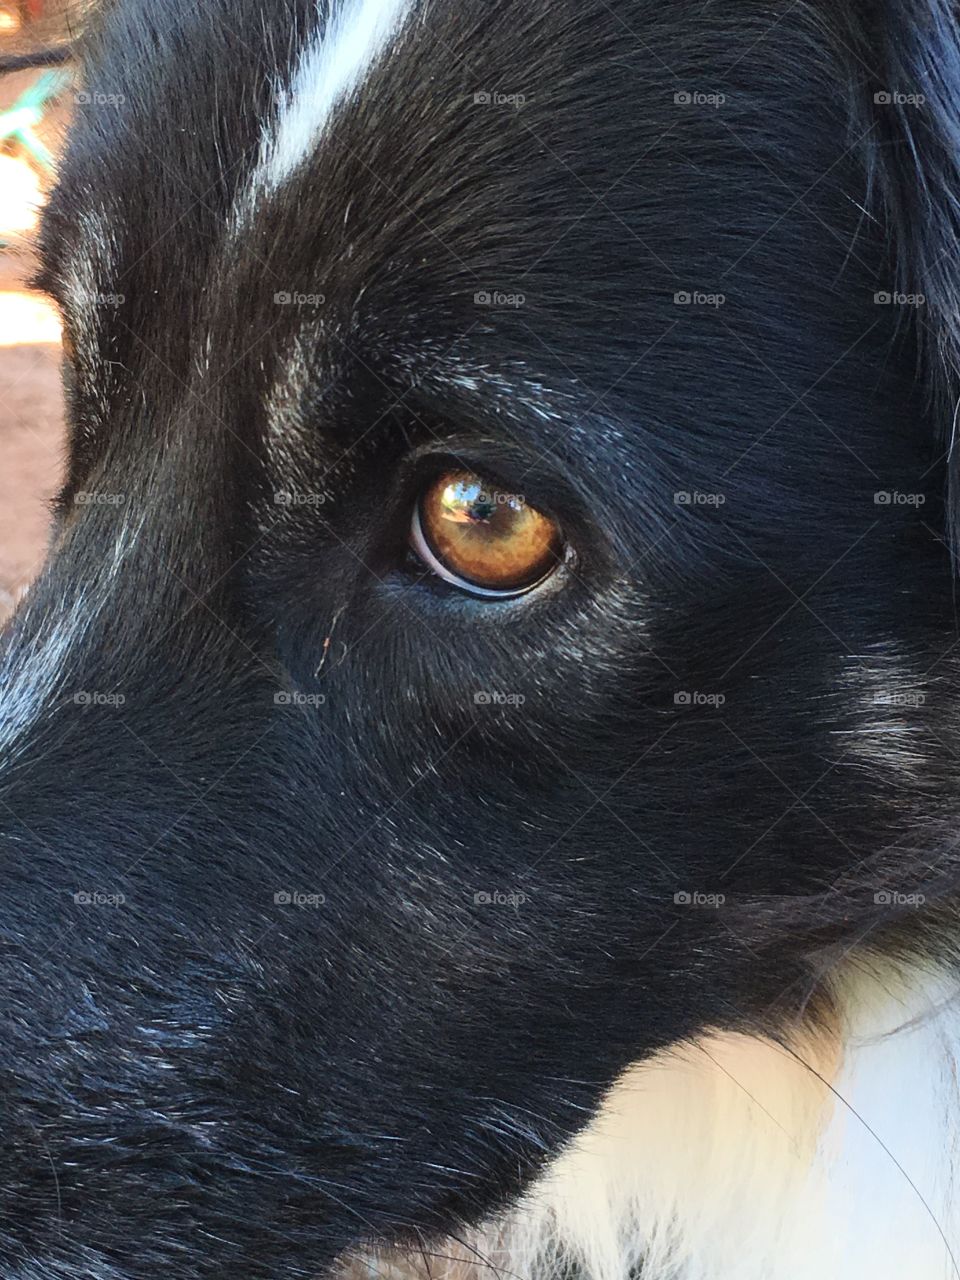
{"x": 329, "y": 70}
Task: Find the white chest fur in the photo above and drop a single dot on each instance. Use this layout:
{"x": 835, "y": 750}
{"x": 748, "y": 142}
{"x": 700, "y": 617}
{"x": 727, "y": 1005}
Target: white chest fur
{"x": 738, "y": 1159}
{"x": 733, "y": 1159}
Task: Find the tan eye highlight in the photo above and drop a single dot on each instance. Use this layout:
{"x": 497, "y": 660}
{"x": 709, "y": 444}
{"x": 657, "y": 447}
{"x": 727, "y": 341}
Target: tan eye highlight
{"x": 483, "y": 540}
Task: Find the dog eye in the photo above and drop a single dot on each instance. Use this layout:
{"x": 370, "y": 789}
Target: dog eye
{"x": 481, "y": 539}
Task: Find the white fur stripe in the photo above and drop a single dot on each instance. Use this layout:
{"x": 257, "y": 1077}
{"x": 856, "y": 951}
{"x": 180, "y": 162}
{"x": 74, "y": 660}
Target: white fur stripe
{"x": 32, "y": 677}
{"x": 46, "y": 668}
{"x": 330, "y": 69}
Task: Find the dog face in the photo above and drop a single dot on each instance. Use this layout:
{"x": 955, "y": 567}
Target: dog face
{"x": 490, "y": 620}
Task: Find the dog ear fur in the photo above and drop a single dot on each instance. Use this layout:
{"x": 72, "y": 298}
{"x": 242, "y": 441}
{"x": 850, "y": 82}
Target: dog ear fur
{"x": 907, "y": 66}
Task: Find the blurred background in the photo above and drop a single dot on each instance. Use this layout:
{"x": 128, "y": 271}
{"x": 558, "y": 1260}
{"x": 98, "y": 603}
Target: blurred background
{"x": 34, "y": 110}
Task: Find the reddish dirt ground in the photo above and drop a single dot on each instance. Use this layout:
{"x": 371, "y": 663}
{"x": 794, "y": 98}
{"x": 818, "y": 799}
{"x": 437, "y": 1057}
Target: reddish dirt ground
{"x": 31, "y": 420}
{"x": 31, "y": 430}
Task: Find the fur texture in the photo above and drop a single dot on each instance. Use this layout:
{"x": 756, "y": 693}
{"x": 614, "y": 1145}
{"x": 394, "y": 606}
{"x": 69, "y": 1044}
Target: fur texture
{"x": 737, "y": 1158}
{"x": 344, "y": 911}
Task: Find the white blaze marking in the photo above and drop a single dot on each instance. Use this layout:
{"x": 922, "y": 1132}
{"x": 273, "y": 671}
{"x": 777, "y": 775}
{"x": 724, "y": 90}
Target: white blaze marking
{"x": 330, "y": 69}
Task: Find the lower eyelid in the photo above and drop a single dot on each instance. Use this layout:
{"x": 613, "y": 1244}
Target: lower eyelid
{"x": 423, "y": 550}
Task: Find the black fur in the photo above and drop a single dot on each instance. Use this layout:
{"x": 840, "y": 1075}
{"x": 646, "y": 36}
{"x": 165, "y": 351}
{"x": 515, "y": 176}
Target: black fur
{"x": 204, "y": 1082}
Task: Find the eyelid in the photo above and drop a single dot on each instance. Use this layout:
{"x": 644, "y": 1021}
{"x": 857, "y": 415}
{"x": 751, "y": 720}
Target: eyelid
{"x": 423, "y": 550}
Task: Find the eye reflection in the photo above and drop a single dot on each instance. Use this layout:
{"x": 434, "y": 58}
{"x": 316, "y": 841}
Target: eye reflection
{"x": 483, "y": 539}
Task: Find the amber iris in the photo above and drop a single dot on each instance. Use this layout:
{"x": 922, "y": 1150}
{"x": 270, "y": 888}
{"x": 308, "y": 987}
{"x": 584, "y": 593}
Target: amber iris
{"x": 490, "y": 539}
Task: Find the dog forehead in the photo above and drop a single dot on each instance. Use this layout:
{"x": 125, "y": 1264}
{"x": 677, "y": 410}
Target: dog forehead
{"x": 261, "y": 130}
{"x": 379, "y": 177}
{"x": 357, "y": 163}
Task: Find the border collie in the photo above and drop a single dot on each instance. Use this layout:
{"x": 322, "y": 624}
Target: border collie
{"x": 480, "y": 768}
